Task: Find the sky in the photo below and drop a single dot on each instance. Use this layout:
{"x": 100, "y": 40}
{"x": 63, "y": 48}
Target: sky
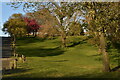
{"x": 5, "y": 12}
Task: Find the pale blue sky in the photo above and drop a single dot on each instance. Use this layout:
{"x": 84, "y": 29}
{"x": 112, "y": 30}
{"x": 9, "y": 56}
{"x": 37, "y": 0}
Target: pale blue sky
{"x": 5, "y": 12}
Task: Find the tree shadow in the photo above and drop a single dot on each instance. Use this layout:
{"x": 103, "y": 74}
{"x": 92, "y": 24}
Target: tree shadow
{"x": 116, "y": 68}
{"x": 40, "y": 52}
{"x": 119, "y": 56}
{"x": 116, "y": 56}
{"x": 14, "y": 71}
{"x": 77, "y": 43}
{"x": 70, "y": 78}
{"x": 27, "y": 40}
{"x": 91, "y": 76}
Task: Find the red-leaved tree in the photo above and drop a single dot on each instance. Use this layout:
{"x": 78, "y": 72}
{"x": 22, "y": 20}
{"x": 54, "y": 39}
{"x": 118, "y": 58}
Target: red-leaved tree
{"x": 32, "y": 26}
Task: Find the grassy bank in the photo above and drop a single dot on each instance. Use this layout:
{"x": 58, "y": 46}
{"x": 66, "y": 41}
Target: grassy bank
{"x": 45, "y": 59}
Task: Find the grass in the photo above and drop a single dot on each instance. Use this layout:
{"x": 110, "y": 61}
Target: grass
{"x": 46, "y": 60}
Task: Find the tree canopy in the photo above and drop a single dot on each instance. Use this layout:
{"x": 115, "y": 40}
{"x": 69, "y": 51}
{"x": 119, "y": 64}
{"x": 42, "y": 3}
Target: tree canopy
{"x": 15, "y": 25}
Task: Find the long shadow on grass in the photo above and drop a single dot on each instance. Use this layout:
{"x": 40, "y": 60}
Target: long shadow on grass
{"x": 27, "y": 40}
{"x": 114, "y": 51}
{"x": 118, "y": 55}
{"x": 40, "y": 52}
{"x": 76, "y": 43}
{"x": 14, "y": 71}
{"x": 91, "y": 76}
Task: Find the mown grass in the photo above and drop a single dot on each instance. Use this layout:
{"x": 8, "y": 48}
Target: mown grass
{"x": 46, "y": 60}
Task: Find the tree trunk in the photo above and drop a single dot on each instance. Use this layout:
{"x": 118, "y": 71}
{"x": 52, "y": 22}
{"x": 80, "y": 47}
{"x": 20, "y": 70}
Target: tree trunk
{"x": 63, "y": 37}
{"x": 99, "y": 51}
{"x": 97, "y": 35}
{"x": 105, "y": 57}
{"x": 33, "y": 33}
{"x": 13, "y": 45}
{"x": 28, "y": 34}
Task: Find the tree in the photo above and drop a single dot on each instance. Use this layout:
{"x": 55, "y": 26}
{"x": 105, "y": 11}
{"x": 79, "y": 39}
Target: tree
{"x": 16, "y": 27}
{"x": 100, "y": 20}
{"x": 63, "y": 12}
{"x": 75, "y": 29}
{"x": 47, "y": 20}
{"x": 48, "y": 30}
{"x": 32, "y": 26}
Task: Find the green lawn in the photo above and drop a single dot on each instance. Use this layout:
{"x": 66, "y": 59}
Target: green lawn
{"x": 45, "y": 59}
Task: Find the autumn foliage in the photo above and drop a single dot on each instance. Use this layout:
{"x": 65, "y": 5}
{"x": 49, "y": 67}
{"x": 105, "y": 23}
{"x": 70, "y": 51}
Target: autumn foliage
{"x": 32, "y": 26}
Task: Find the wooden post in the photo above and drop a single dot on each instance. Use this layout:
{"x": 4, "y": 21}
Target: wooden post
{"x": 15, "y": 64}
{"x": 13, "y": 45}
